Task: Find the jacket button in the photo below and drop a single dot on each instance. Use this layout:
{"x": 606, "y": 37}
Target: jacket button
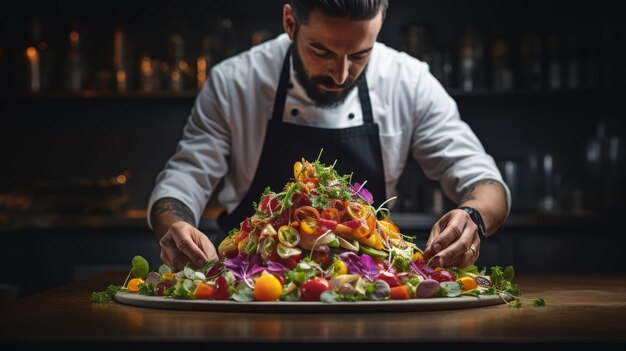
{"x": 351, "y": 116}
{"x": 294, "y": 112}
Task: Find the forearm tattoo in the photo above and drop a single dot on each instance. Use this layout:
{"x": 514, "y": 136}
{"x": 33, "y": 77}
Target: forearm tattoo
{"x": 172, "y": 206}
{"x": 469, "y": 193}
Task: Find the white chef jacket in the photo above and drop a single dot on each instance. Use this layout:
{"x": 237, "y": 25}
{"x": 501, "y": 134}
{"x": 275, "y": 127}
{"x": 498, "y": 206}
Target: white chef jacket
{"x": 224, "y": 135}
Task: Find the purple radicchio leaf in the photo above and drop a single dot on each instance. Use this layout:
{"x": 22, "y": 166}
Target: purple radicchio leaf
{"x": 364, "y": 265}
{"x": 358, "y": 190}
{"x": 420, "y": 271}
{"x": 244, "y": 266}
{"x": 275, "y": 267}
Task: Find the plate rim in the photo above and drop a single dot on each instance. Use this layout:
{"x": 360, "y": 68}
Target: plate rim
{"x": 410, "y": 305}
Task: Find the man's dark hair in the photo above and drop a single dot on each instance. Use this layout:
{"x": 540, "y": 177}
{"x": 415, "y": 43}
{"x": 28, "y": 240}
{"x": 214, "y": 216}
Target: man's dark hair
{"x": 350, "y": 9}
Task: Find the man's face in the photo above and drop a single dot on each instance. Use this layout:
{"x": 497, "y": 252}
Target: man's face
{"x": 331, "y": 54}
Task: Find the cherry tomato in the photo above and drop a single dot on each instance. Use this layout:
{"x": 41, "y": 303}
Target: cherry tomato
{"x": 320, "y": 256}
{"x": 267, "y": 288}
{"x": 442, "y": 275}
{"x": 327, "y": 223}
{"x": 467, "y": 283}
{"x": 401, "y": 292}
{"x": 340, "y": 268}
{"x": 203, "y": 291}
{"x": 160, "y": 288}
{"x": 306, "y": 211}
{"x": 337, "y": 204}
{"x": 331, "y": 214}
{"x": 355, "y": 210}
{"x": 221, "y": 289}
{"x": 289, "y": 262}
{"x": 390, "y": 278}
{"x": 268, "y": 249}
{"x": 269, "y": 204}
{"x": 308, "y": 225}
{"x": 287, "y": 252}
{"x": 312, "y": 289}
{"x": 288, "y": 236}
{"x": 300, "y": 199}
{"x": 133, "y": 285}
{"x": 389, "y": 228}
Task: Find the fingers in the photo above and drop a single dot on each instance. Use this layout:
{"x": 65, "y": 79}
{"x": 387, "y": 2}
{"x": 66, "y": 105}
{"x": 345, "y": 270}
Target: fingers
{"x": 469, "y": 257}
{"x": 434, "y": 233}
{"x": 184, "y": 244}
{"x": 456, "y": 245}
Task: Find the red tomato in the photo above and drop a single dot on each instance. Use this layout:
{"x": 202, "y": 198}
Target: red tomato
{"x": 443, "y": 275}
{"x": 269, "y": 204}
{"x": 306, "y": 211}
{"x": 290, "y": 262}
{"x": 390, "y": 278}
{"x": 221, "y": 289}
{"x": 320, "y": 256}
{"x": 313, "y": 288}
{"x": 300, "y": 199}
{"x": 400, "y": 293}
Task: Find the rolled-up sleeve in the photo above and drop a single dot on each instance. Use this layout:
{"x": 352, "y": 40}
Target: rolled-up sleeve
{"x": 201, "y": 158}
{"x": 445, "y": 146}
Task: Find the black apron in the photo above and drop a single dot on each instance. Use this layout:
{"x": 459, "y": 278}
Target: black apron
{"x": 356, "y": 149}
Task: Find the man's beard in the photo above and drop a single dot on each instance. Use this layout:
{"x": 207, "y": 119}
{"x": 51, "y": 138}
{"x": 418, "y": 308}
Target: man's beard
{"x": 323, "y": 99}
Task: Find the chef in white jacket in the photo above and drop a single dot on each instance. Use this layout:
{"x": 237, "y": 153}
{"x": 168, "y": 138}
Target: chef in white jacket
{"x": 324, "y": 84}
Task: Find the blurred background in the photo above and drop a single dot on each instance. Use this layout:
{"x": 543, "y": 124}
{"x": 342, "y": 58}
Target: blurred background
{"x": 93, "y": 98}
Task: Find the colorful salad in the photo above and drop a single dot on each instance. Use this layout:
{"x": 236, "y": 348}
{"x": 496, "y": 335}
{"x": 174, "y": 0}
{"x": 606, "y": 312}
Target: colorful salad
{"x": 318, "y": 239}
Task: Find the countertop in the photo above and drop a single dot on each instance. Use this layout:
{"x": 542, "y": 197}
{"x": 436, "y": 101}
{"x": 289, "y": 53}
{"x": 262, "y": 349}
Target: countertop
{"x": 581, "y": 310}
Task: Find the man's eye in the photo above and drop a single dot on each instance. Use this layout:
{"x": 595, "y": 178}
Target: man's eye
{"x": 321, "y": 54}
{"x": 359, "y": 57}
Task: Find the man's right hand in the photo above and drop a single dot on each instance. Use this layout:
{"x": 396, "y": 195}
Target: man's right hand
{"x": 183, "y": 244}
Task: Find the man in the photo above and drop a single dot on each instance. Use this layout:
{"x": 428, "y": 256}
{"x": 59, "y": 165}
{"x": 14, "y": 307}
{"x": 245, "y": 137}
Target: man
{"x": 325, "y": 84}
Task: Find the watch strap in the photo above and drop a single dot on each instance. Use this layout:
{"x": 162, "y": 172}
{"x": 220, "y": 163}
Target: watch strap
{"x": 477, "y": 219}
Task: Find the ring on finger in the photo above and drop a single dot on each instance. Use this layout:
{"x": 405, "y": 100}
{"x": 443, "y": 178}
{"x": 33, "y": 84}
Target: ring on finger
{"x": 472, "y": 249}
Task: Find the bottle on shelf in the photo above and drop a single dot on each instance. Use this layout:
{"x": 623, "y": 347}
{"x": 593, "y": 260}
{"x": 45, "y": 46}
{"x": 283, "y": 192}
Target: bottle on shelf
{"x": 75, "y": 70}
{"x": 502, "y": 72}
{"x": 472, "y": 70}
{"x": 122, "y": 60}
{"x": 531, "y": 51}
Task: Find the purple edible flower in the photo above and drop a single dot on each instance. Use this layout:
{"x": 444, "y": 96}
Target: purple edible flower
{"x": 358, "y": 190}
{"x": 244, "y": 266}
{"x": 363, "y": 265}
{"x": 276, "y": 267}
{"x": 425, "y": 272}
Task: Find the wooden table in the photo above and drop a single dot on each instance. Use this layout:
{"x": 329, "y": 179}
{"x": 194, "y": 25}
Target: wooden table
{"x": 580, "y": 310}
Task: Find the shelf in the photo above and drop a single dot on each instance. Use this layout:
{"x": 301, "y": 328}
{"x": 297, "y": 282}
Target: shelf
{"x": 192, "y": 93}
{"x": 106, "y": 95}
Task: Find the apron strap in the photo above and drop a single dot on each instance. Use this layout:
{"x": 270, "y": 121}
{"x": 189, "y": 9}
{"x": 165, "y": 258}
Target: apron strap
{"x": 281, "y": 92}
{"x": 364, "y": 99}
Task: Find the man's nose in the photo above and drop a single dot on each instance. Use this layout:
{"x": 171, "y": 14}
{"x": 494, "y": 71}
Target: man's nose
{"x": 340, "y": 70}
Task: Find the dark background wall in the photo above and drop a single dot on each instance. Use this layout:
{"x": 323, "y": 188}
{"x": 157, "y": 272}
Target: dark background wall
{"x": 59, "y": 149}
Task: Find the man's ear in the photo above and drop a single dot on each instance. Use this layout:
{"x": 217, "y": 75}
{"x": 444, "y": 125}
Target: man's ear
{"x": 289, "y": 22}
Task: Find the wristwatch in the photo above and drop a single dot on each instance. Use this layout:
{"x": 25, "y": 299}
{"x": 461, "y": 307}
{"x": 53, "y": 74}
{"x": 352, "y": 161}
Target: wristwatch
{"x": 478, "y": 219}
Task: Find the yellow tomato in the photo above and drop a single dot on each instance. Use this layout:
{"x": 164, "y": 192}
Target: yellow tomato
{"x": 340, "y": 268}
{"x": 169, "y": 276}
{"x": 267, "y": 288}
{"x": 417, "y": 256}
{"x": 308, "y": 225}
{"x": 133, "y": 285}
{"x": 467, "y": 283}
{"x": 389, "y": 228}
{"x": 203, "y": 291}
{"x": 298, "y": 173}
